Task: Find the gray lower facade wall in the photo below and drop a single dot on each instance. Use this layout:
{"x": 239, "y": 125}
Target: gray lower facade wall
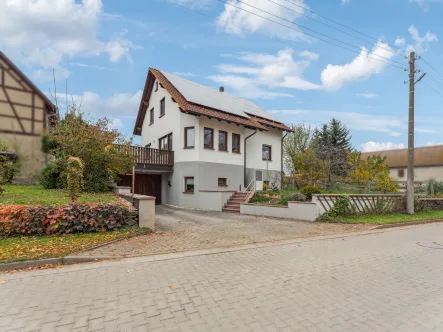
{"x": 207, "y": 194}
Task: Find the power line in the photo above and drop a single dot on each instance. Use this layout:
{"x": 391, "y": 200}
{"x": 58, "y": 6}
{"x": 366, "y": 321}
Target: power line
{"x": 240, "y": 27}
{"x": 432, "y": 78}
{"x": 430, "y": 87}
{"x": 432, "y": 67}
{"x": 331, "y": 26}
{"x": 301, "y": 26}
{"x": 338, "y": 23}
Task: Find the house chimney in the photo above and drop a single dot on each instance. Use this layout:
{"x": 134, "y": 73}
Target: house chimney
{"x": 222, "y": 89}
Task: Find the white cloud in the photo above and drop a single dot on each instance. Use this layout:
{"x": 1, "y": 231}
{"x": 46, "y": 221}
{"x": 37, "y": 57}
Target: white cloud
{"x": 91, "y": 103}
{"x": 260, "y": 73}
{"x": 116, "y": 124}
{"x": 400, "y": 41}
{"x": 45, "y": 32}
{"x": 421, "y": 43}
{"x": 193, "y": 3}
{"x": 367, "y": 95}
{"x": 429, "y": 143}
{"x": 362, "y": 67}
{"x": 390, "y": 125}
{"x": 424, "y": 130}
{"x": 380, "y": 146}
{"x": 85, "y": 65}
{"x": 345, "y": 2}
{"x": 236, "y": 20}
{"x": 184, "y": 74}
{"x": 310, "y": 55}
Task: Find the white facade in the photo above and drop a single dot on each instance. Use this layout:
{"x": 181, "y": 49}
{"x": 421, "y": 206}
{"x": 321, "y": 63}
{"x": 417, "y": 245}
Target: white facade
{"x": 205, "y": 165}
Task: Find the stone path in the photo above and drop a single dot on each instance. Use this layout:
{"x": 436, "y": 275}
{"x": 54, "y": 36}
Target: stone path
{"x": 181, "y": 230}
{"x": 390, "y": 281}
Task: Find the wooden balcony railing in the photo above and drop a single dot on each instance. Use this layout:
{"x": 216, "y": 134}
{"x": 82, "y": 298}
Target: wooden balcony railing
{"x": 148, "y": 156}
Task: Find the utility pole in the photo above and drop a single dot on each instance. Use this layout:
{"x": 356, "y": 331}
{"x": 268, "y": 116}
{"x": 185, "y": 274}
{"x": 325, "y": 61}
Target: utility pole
{"x": 410, "y": 184}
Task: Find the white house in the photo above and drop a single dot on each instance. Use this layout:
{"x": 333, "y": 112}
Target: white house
{"x": 202, "y": 145}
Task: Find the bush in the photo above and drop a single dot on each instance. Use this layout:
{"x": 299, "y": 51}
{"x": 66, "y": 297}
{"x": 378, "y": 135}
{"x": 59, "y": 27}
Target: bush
{"x": 438, "y": 187}
{"x": 259, "y": 198}
{"x": 66, "y": 219}
{"x": 51, "y": 176}
{"x": 292, "y": 198}
{"x": 308, "y": 191}
{"x": 342, "y": 207}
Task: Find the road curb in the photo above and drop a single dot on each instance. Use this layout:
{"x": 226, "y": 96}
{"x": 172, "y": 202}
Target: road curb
{"x": 32, "y": 263}
{"x": 409, "y": 223}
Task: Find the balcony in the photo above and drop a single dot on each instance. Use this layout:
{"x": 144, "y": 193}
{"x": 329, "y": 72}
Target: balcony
{"x": 149, "y": 159}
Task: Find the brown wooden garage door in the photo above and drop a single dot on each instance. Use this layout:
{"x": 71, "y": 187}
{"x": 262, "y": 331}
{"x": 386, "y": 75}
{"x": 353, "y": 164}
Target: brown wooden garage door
{"x": 145, "y": 184}
{"x": 150, "y": 185}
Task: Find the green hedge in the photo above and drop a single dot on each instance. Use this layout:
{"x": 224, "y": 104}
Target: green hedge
{"x": 66, "y": 219}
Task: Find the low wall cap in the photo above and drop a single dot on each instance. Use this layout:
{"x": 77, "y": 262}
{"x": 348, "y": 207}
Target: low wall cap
{"x": 139, "y": 197}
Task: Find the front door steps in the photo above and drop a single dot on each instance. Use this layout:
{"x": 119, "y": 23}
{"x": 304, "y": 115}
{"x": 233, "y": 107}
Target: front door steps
{"x": 233, "y": 204}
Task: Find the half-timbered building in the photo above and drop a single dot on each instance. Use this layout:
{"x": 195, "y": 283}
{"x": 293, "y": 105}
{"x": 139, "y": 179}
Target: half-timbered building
{"x": 25, "y": 113}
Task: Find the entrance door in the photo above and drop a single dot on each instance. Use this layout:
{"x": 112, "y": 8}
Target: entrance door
{"x": 150, "y": 185}
{"x": 258, "y": 180}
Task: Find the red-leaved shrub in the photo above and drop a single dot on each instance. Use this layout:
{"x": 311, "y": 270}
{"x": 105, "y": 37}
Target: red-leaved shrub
{"x": 66, "y": 219}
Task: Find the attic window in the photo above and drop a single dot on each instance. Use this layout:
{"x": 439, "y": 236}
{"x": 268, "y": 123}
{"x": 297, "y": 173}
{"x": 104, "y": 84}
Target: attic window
{"x": 156, "y": 86}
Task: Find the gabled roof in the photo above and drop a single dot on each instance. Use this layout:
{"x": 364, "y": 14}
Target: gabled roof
{"x": 423, "y": 156}
{"x": 197, "y": 99}
{"x": 50, "y": 106}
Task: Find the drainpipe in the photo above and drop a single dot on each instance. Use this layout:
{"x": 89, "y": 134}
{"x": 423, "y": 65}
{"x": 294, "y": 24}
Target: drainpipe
{"x": 281, "y": 174}
{"x": 244, "y": 173}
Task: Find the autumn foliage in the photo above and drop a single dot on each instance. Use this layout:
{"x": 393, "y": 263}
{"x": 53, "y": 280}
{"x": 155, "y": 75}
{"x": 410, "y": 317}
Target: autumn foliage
{"x": 66, "y": 219}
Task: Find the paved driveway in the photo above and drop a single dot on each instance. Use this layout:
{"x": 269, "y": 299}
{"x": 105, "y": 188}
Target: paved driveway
{"x": 383, "y": 282}
{"x": 180, "y": 230}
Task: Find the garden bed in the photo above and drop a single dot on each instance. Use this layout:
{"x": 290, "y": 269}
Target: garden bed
{"x": 36, "y": 195}
{"x": 13, "y": 249}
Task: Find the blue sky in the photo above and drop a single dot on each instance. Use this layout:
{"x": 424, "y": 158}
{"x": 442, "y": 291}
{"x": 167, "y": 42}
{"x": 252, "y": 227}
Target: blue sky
{"x": 104, "y": 49}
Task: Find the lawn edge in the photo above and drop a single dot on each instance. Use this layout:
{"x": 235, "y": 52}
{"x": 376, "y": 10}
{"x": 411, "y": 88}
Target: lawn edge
{"x": 409, "y": 223}
{"x": 68, "y": 259}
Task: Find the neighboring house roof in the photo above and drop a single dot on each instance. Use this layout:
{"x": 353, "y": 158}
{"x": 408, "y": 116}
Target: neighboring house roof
{"x": 50, "y": 106}
{"x": 197, "y": 99}
{"x": 423, "y": 156}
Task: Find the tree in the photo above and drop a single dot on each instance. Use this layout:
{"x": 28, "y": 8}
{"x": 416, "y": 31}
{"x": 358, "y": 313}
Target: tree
{"x": 309, "y": 167}
{"x": 295, "y": 143}
{"x": 94, "y": 143}
{"x": 373, "y": 170}
{"x": 331, "y": 144}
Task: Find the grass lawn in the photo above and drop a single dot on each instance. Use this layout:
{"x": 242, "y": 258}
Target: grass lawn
{"x": 14, "y": 249}
{"x": 393, "y": 218}
{"x": 36, "y": 195}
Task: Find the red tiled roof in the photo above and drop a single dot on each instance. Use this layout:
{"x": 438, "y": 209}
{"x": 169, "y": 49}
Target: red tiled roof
{"x": 188, "y": 107}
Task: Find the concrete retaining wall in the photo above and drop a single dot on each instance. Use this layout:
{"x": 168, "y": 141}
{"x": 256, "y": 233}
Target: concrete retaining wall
{"x": 306, "y": 211}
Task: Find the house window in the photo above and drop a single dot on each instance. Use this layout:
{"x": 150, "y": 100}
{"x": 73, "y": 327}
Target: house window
{"x": 151, "y": 116}
{"x": 236, "y": 143}
{"x": 208, "y": 138}
{"x": 165, "y": 143}
{"x": 222, "y": 182}
{"x": 401, "y": 173}
{"x": 162, "y": 107}
{"x": 222, "y": 140}
{"x": 156, "y": 86}
{"x": 189, "y": 137}
{"x": 267, "y": 152}
{"x": 189, "y": 184}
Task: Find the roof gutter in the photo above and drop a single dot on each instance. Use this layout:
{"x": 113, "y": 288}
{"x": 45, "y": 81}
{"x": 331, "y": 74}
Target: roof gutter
{"x": 281, "y": 174}
{"x": 244, "y": 170}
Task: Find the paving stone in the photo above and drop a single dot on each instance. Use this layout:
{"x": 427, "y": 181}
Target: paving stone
{"x": 378, "y": 282}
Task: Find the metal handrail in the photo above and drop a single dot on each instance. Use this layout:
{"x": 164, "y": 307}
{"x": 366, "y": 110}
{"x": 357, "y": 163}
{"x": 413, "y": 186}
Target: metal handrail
{"x": 247, "y": 188}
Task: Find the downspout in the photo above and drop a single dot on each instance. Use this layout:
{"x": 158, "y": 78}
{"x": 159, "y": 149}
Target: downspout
{"x": 281, "y": 174}
{"x": 244, "y": 171}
